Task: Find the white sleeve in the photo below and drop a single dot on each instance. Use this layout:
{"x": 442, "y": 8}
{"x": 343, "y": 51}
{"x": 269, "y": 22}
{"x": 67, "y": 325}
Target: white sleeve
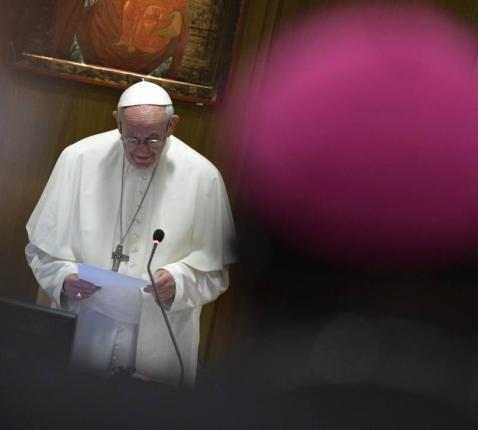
{"x": 50, "y": 273}
{"x": 195, "y": 288}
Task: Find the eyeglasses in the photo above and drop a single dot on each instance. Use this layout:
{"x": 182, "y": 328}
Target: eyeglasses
{"x": 134, "y": 141}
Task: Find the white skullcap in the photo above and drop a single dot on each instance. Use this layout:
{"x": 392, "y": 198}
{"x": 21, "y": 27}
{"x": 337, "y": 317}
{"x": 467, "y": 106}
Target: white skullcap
{"x": 144, "y": 93}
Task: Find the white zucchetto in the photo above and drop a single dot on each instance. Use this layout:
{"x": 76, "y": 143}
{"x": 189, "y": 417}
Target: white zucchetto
{"x": 144, "y": 93}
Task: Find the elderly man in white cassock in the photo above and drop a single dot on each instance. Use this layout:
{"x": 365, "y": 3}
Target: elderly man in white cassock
{"x": 106, "y": 196}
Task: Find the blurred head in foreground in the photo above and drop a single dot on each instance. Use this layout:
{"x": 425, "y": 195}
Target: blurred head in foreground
{"x": 356, "y": 147}
{"x": 359, "y": 141}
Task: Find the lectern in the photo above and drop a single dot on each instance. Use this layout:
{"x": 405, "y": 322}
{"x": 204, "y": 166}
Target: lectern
{"x": 35, "y": 336}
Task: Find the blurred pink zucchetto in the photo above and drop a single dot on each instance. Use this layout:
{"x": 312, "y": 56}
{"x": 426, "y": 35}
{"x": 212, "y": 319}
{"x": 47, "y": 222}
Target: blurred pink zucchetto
{"x": 360, "y": 140}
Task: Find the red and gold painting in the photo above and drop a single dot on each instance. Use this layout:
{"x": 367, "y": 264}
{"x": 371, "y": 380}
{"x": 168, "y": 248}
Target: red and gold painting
{"x": 184, "y": 45}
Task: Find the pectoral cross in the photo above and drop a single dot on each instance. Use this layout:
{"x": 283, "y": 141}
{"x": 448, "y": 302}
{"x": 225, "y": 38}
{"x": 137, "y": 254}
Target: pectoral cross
{"x": 118, "y": 257}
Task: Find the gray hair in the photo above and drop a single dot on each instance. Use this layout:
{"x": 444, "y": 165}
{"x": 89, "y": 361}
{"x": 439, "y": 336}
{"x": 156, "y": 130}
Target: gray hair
{"x": 168, "y": 110}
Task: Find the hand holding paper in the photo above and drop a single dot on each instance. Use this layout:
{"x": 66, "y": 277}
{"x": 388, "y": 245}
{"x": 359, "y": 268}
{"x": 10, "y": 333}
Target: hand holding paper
{"x": 119, "y": 297}
{"x": 166, "y": 286}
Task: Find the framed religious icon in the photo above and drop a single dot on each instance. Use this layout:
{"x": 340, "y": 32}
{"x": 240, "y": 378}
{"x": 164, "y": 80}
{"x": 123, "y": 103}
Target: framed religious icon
{"x": 184, "y": 45}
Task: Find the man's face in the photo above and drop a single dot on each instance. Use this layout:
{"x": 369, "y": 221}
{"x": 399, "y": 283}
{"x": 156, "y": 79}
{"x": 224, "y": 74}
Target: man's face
{"x": 141, "y": 124}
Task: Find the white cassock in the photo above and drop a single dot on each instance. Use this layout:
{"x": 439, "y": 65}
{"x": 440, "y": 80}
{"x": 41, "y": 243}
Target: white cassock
{"x": 77, "y": 220}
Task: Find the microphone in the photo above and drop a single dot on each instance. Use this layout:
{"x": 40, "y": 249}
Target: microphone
{"x": 158, "y": 237}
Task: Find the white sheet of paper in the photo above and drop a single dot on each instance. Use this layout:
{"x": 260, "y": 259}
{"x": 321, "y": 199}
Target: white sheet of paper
{"x": 120, "y": 296}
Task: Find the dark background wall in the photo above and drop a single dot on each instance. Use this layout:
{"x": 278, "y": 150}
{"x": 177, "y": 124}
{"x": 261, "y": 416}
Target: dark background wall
{"x": 40, "y": 115}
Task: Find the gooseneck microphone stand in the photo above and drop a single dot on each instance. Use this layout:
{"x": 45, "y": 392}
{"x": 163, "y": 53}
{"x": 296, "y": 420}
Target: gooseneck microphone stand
{"x": 157, "y": 238}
